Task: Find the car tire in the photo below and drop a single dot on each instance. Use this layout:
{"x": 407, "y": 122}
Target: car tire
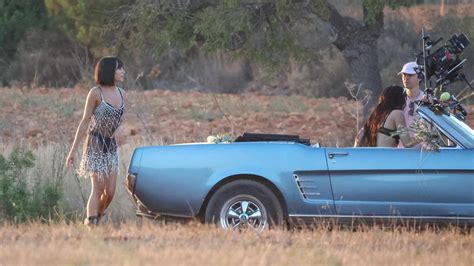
{"x": 244, "y": 204}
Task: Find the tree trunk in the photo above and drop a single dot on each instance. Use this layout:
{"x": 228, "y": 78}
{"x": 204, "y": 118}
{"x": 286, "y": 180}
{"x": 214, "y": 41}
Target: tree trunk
{"x": 362, "y": 57}
{"x": 358, "y": 43}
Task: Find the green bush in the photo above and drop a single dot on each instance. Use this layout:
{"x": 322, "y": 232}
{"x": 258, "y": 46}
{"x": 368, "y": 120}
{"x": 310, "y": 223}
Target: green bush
{"x": 20, "y": 202}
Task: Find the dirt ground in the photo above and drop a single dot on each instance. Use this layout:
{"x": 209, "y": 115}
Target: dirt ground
{"x": 52, "y": 115}
{"x": 163, "y": 117}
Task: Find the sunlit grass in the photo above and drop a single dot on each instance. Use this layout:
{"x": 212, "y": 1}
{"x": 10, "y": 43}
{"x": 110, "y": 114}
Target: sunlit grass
{"x": 148, "y": 242}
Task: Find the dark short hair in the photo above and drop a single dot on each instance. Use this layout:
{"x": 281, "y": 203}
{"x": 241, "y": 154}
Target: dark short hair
{"x": 105, "y": 70}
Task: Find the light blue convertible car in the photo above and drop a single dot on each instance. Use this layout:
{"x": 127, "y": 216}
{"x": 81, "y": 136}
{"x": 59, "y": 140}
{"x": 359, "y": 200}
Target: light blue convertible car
{"x": 284, "y": 181}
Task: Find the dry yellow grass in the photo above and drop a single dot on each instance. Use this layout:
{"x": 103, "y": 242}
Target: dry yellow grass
{"x": 152, "y": 243}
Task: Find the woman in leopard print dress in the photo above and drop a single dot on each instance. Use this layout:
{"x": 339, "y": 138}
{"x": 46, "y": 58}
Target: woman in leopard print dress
{"x": 100, "y": 125}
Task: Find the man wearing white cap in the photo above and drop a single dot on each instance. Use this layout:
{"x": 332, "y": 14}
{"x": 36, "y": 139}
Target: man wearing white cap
{"x": 411, "y": 82}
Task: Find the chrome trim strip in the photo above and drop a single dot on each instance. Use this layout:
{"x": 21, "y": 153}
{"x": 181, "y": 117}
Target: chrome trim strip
{"x": 377, "y": 216}
{"x": 312, "y": 193}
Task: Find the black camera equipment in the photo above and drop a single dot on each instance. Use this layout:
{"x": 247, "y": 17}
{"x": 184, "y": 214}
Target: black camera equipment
{"x": 445, "y": 64}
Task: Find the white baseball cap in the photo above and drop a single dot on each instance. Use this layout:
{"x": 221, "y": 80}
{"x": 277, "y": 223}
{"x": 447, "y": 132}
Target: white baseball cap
{"x": 409, "y": 68}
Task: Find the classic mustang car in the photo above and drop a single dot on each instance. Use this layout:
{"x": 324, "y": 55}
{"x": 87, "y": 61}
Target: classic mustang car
{"x": 259, "y": 181}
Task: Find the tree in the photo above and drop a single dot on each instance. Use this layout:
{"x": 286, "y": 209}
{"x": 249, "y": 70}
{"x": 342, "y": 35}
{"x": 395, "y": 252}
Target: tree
{"x": 16, "y": 18}
{"x": 83, "y": 20}
{"x": 358, "y": 41}
{"x": 270, "y": 31}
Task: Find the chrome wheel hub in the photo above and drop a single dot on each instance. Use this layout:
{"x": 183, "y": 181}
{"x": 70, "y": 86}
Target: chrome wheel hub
{"x": 243, "y": 212}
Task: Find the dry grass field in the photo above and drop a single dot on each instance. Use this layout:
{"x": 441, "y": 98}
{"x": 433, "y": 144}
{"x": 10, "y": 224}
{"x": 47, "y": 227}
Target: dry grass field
{"x": 151, "y": 243}
{"x": 44, "y": 120}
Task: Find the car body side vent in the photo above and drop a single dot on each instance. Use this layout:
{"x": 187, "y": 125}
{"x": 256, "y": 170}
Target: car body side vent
{"x": 307, "y": 187}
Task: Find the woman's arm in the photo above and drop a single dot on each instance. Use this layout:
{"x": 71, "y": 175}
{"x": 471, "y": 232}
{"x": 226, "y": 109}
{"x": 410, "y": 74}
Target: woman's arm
{"x": 406, "y": 139}
{"x": 91, "y": 103}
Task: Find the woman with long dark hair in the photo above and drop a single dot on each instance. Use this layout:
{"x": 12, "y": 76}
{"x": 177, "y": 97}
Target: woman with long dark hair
{"x": 384, "y": 120}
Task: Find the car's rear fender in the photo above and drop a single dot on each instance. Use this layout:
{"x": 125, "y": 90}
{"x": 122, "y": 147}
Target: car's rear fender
{"x": 183, "y": 192}
{"x": 177, "y": 180}
{"x": 133, "y": 170}
{"x": 134, "y": 166}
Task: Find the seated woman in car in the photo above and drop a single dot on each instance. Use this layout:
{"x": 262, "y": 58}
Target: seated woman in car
{"x": 384, "y": 121}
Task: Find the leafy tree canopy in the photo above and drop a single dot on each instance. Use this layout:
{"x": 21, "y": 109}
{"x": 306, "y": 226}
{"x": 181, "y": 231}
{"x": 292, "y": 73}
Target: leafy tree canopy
{"x": 270, "y": 31}
{"x": 16, "y": 18}
{"x": 83, "y": 20}
{"x": 267, "y": 31}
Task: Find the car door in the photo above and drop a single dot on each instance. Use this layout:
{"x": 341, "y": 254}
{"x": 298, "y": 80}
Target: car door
{"x": 407, "y": 182}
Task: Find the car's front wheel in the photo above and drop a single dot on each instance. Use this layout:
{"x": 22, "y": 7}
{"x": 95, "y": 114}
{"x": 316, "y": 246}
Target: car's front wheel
{"x": 244, "y": 204}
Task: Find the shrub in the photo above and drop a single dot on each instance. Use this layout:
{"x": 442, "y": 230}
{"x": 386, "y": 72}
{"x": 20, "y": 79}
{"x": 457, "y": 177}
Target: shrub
{"x": 18, "y": 201}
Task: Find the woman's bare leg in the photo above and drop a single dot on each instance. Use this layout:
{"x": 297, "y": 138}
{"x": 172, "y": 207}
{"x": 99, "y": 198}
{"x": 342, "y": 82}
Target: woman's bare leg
{"x": 102, "y": 201}
{"x": 96, "y": 191}
{"x": 108, "y": 192}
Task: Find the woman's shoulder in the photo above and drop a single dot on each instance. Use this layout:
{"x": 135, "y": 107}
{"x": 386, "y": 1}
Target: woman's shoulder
{"x": 398, "y": 116}
{"x": 95, "y": 89}
{"x": 94, "y": 93}
{"x": 396, "y": 113}
{"x": 395, "y": 117}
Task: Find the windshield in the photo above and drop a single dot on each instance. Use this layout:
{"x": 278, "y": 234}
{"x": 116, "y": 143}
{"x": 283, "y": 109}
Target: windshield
{"x": 460, "y": 125}
{"x": 456, "y": 128}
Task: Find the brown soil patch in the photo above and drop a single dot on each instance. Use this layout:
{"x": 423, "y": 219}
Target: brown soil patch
{"x": 163, "y": 117}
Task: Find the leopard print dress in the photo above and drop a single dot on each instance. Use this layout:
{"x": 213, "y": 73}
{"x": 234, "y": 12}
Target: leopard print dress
{"x": 100, "y": 155}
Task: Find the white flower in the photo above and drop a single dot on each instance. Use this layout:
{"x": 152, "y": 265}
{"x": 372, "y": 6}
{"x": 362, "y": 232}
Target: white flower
{"x": 226, "y": 138}
{"x": 211, "y": 139}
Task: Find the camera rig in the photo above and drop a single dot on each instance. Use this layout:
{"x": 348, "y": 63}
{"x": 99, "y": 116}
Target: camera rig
{"x": 445, "y": 64}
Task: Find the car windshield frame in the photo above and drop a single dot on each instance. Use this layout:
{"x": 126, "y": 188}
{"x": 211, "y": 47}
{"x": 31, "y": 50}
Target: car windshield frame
{"x": 448, "y": 123}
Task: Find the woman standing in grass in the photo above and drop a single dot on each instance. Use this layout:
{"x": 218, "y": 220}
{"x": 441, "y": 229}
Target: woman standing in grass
{"x": 100, "y": 125}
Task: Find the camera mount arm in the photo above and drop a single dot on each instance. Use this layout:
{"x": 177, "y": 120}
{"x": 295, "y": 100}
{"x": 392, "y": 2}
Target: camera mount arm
{"x": 427, "y": 44}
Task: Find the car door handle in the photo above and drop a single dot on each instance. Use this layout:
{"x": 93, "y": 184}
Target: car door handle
{"x": 332, "y": 154}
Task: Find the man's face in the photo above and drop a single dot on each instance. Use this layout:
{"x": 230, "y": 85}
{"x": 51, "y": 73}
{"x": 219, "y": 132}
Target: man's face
{"x": 410, "y": 81}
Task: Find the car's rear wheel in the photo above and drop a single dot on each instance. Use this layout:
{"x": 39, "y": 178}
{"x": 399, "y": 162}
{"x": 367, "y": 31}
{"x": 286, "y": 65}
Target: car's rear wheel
{"x": 244, "y": 204}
